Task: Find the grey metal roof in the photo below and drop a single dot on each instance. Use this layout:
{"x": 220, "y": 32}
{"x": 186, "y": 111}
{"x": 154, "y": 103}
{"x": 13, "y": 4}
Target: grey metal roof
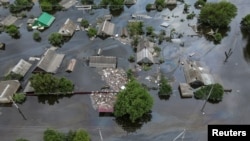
{"x": 144, "y": 56}
{"x": 68, "y": 28}
{"x": 106, "y": 28}
{"x": 22, "y": 67}
{"x": 102, "y": 61}
{"x": 50, "y": 61}
{"x": 7, "y": 90}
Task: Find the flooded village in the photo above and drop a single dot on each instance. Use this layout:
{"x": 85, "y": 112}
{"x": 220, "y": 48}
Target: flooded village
{"x": 98, "y": 67}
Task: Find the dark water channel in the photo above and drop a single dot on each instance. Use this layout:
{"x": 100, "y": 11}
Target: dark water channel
{"x": 169, "y": 117}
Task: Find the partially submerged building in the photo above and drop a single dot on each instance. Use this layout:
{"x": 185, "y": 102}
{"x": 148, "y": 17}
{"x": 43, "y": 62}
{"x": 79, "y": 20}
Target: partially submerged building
{"x": 170, "y": 2}
{"x": 145, "y": 51}
{"x": 196, "y": 75}
{"x": 68, "y": 28}
{"x": 124, "y": 32}
{"x": 106, "y": 29}
{"x": 8, "y": 89}
{"x": 67, "y": 3}
{"x": 103, "y": 61}
{"x": 43, "y": 21}
{"x": 50, "y": 62}
{"x": 186, "y": 90}
{"x": 144, "y": 56}
{"x": 22, "y": 67}
{"x": 71, "y": 65}
{"x": 9, "y": 20}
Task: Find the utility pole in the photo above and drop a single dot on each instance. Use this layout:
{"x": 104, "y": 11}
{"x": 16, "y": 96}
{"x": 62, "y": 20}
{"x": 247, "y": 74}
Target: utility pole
{"x": 100, "y": 133}
{"x": 19, "y": 110}
{"x": 181, "y": 134}
{"x": 202, "y": 109}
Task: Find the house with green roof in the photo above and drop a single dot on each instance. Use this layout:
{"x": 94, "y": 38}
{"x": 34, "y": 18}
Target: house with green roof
{"x": 44, "y": 20}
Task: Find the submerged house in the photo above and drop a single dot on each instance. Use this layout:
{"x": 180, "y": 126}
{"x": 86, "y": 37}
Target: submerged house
{"x": 144, "y": 56}
{"x": 22, "y": 67}
{"x": 8, "y": 89}
{"x": 9, "y": 20}
{"x": 144, "y": 51}
{"x": 50, "y": 62}
{"x": 43, "y": 21}
{"x": 103, "y": 61}
{"x": 106, "y": 29}
{"x": 68, "y": 28}
{"x": 196, "y": 75}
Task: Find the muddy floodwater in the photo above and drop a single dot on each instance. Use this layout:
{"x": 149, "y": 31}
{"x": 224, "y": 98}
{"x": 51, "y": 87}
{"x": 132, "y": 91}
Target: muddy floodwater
{"x": 169, "y": 117}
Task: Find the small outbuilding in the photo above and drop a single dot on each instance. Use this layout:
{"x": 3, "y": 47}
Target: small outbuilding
{"x": 185, "y": 90}
{"x": 8, "y": 89}
{"x": 170, "y": 2}
{"x": 124, "y": 32}
{"x": 103, "y": 61}
{"x": 71, "y": 65}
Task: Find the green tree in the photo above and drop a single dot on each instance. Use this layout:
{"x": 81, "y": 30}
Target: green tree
{"x": 36, "y": 36}
{"x": 46, "y": 6}
{"x": 160, "y": 4}
{"x": 56, "y": 39}
{"x": 217, "y": 37}
{"x": 245, "y": 22}
{"x": 164, "y": 88}
{"x": 19, "y": 97}
{"x": 150, "y": 30}
{"x": 199, "y": 3}
{"x": 134, "y": 101}
{"x": 20, "y": 5}
{"x": 81, "y": 135}
{"x": 70, "y": 136}
{"x": 52, "y": 135}
{"x": 218, "y": 15}
{"x": 85, "y": 23}
{"x": 148, "y": 7}
{"x": 135, "y": 28}
{"x": 13, "y": 31}
{"x": 92, "y": 32}
{"x": 47, "y": 83}
{"x": 216, "y": 93}
{"x": 22, "y": 139}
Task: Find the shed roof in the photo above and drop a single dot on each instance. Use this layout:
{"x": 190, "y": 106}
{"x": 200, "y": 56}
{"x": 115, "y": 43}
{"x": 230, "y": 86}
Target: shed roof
{"x": 165, "y": 24}
{"x": 106, "y": 28}
{"x": 68, "y": 28}
{"x": 71, "y": 65}
{"x": 144, "y": 56}
{"x": 7, "y": 90}
{"x": 170, "y": 2}
{"x": 22, "y": 67}
{"x": 50, "y": 61}
{"x": 102, "y": 61}
{"x": 45, "y": 19}
{"x": 185, "y": 90}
